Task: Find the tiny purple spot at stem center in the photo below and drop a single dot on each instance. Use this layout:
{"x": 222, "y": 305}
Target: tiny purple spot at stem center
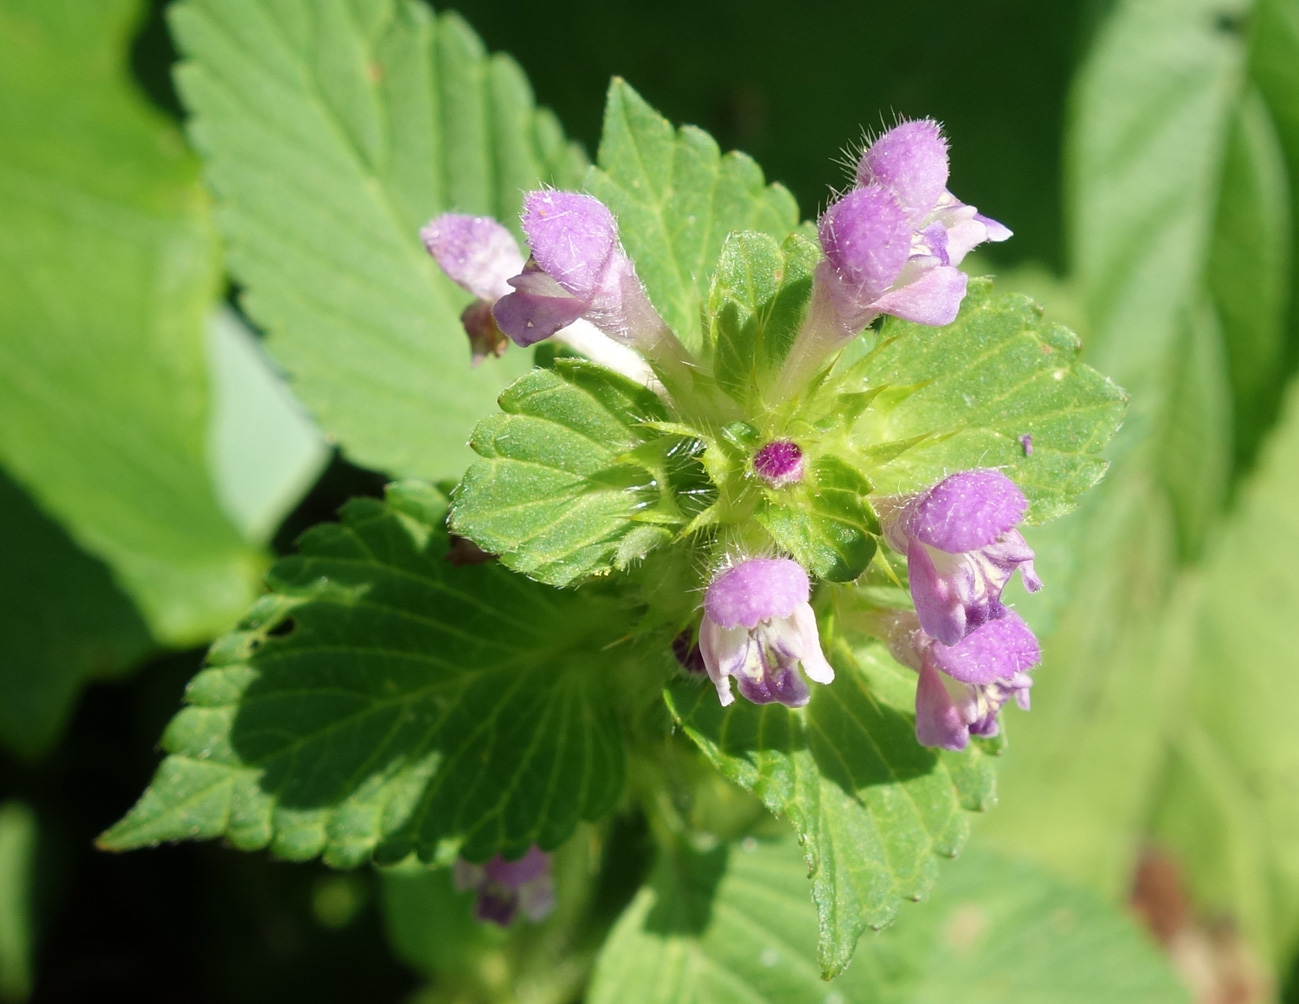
{"x": 779, "y": 462}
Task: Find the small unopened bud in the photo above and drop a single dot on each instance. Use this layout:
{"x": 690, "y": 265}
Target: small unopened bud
{"x": 779, "y": 462}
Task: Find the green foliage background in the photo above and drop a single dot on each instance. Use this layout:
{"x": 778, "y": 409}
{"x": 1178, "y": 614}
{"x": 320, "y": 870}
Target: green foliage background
{"x": 1145, "y": 152}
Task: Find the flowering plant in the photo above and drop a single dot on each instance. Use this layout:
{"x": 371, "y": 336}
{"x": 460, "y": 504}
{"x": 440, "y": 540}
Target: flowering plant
{"x": 702, "y": 562}
{"x": 723, "y": 467}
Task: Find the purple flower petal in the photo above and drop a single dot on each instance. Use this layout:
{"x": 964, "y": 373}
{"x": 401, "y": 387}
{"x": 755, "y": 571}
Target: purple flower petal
{"x": 998, "y": 650}
{"x": 725, "y": 652}
{"x": 573, "y": 238}
{"x": 911, "y": 160}
{"x": 505, "y": 886}
{"x": 1011, "y": 552}
{"x": 756, "y": 590}
{"x": 933, "y": 299}
{"x": 966, "y": 511}
{"x": 997, "y": 232}
{"x": 476, "y": 252}
{"x": 514, "y": 873}
{"x": 537, "y": 898}
{"x": 536, "y": 309}
{"x": 811, "y": 657}
{"x": 938, "y": 721}
{"x": 784, "y": 685}
{"x": 496, "y": 906}
{"x": 867, "y": 240}
{"x": 935, "y": 238}
{"x": 937, "y": 597}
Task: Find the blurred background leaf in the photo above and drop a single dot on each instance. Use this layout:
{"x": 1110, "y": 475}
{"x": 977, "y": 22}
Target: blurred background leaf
{"x": 17, "y": 853}
{"x": 146, "y": 443}
{"x": 733, "y": 925}
{"x": 264, "y": 451}
{"x": 1151, "y": 718}
{"x": 110, "y": 269}
{"x": 1230, "y": 801}
{"x": 62, "y": 620}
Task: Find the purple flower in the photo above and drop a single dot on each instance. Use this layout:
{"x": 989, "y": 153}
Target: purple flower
{"x": 759, "y": 629}
{"x": 481, "y": 256}
{"x": 779, "y": 462}
{"x": 578, "y": 270}
{"x": 909, "y": 163}
{"x": 962, "y": 548}
{"x": 477, "y": 253}
{"x": 892, "y": 244}
{"x": 962, "y": 687}
{"x": 505, "y": 887}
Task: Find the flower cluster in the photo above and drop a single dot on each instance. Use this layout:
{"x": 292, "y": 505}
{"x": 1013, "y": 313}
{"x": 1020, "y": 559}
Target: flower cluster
{"x": 972, "y": 652}
{"x": 893, "y": 242}
{"x": 506, "y": 887}
{"x": 891, "y": 246}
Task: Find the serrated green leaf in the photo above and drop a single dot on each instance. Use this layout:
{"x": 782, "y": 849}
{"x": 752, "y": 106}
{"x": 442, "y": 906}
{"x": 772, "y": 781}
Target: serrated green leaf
{"x": 63, "y": 620}
{"x": 826, "y": 521}
{"x": 756, "y": 302}
{"x": 733, "y": 926}
{"x": 677, "y": 198}
{"x": 560, "y": 487}
{"x": 872, "y": 808}
{"x": 382, "y": 701}
{"x": 998, "y": 373}
{"x": 108, "y": 271}
{"x": 331, "y": 132}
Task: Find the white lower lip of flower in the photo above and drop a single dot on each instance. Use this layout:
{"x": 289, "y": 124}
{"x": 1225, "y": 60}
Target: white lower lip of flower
{"x": 763, "y": 654}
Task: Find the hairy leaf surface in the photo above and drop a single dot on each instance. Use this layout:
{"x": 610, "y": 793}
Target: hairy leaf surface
{"x": 969, "y": 394}
{"x": 758, "y": 296}
{"x": 383, "y": 700}
{"x": 571, "y": 482}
